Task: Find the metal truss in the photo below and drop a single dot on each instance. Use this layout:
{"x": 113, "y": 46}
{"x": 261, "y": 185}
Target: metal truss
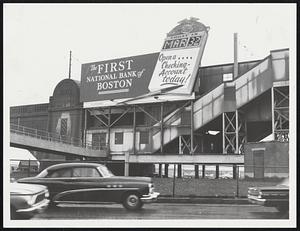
{"x": 185, "y": 144}
{"x": 105, "y": 118}
{"x": 234, "y": 132}
{"x": 280, "y": 113}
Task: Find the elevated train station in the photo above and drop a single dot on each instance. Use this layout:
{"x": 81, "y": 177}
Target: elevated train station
{"x": 168, "y": 109}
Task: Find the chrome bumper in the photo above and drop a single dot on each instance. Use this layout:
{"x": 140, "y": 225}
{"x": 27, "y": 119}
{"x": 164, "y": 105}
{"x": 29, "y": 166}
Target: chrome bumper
{"x": 152, "y": 197}
{"x": 267, "y": 202}
{"x": 35, "y": 208}
{"x": 256, "y": 200}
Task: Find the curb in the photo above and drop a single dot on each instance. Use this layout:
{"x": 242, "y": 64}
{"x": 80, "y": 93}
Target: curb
{"x": 202, "y": 200}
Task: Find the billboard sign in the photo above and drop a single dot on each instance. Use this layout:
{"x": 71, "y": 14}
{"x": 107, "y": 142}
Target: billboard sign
{"x": 116, "y": 79}
{"x": 179, "y": 59}
{"x": 138, "y": 78}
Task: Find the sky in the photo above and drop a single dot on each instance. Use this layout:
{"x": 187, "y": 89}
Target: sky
{"x": 38, "y": 38}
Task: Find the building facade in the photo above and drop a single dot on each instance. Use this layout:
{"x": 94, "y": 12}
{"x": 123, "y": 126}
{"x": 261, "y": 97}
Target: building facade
{"x": 118, "y": 110}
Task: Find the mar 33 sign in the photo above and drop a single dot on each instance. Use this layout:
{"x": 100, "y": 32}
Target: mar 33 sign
{"x": 116, "y": 79}
{"x": 179, "y": 59}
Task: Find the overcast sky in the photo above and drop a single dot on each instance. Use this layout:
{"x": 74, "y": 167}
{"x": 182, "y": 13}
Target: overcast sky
{"x": 38, "y": 37}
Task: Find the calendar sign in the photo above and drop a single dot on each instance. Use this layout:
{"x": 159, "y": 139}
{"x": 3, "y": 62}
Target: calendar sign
{"x": 180, "y": 56}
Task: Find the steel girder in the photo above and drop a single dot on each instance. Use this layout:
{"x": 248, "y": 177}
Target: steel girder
{"x": 280, "y": 113}
{"x": 234, "y": 132}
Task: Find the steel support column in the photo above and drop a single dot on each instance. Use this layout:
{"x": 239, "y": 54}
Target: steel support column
{"x": 179, "y": 171}
{"x": 108, "y": 132}
{"x": 184, "y": 144}
{"x": 203, "y": 171}
{"x": 180, "y": 145}
{"x": 166, "y": 170}
{"x": 280, "y": 113}
{"x": 196, "y": 171}
{"x": 223, "y": 134}
{"x": 229, "y": 132}
{"x": 159, "y": 170}
{"x": 192, "y": 128}
{"x": 134, "y": 129}
{"x": 241, "y": 131}
{"x": 234, "y": 132}
{"x": 234, "y": 171}
{"x": 217, "y": 171}
{"x": 85, "y": 127}
{"x": 162, "y": 127}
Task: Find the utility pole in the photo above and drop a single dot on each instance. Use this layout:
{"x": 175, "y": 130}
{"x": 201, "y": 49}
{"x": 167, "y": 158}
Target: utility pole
{"x": 235, "y": 75}
{"x": 70, "y": 60}
{"x": 235, "y": 65}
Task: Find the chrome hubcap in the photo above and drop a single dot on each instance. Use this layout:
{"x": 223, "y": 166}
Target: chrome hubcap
{"x": 132, "y": 200}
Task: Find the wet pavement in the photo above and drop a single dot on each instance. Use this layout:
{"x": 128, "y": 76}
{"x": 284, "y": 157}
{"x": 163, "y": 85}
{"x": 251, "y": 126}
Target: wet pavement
{"x": 162, "y": 211}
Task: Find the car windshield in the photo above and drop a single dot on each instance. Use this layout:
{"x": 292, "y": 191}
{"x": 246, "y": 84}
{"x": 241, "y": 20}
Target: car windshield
{"x": 105, "y": 171}
{"x": 43, "y": 173}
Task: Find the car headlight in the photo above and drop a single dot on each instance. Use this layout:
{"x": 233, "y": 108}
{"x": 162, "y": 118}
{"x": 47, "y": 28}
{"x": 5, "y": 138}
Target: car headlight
{"x": 47, "y": 194}
{"x": 29, "y": 199}
{"x": 151, "y": 188}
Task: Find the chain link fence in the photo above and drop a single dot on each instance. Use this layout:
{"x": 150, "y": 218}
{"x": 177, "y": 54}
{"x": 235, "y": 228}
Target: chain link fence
{"x": 229, "y": 182}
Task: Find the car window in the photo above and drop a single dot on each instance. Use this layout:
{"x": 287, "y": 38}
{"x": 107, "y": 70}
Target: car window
{"x": 60, "y": 173}
{"x": 43, "y": 173}
{"x": 105, "y": 171}
{"x": 85, "y": 172}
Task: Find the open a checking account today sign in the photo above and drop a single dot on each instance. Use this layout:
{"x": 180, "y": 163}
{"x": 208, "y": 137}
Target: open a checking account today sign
{"x": 175, "y": 66}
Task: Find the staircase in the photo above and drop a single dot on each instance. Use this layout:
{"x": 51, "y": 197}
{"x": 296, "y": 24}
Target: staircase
{"x": 208, "y": 107}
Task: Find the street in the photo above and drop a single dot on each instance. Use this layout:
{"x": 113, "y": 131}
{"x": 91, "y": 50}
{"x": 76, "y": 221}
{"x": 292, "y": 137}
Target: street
{"x": 161, "y": 211}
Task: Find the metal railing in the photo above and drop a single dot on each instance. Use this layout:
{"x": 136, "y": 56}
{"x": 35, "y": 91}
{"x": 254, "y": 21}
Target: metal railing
{"x": 54, "y": 137}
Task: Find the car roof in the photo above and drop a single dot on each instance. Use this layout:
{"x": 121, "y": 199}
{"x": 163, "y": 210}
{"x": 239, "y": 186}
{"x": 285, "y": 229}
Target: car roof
{"x": 70, "y": 165}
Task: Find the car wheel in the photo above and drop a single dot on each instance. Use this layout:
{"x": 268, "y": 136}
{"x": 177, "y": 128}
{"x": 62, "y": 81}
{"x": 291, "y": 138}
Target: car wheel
{"x": 132, "y": 201}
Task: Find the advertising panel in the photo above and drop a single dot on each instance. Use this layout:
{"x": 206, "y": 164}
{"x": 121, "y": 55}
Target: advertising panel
{"x": 116, "y": 79}
{"x": 180, "y": 57}
{"x": 169, "y": 74}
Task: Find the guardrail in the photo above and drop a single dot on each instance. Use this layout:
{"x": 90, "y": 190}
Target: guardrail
{"x": 54, "y": 137}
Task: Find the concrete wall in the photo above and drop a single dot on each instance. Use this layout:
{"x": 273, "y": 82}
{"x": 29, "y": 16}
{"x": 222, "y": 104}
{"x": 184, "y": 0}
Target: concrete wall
{"x": 275, "y": 157}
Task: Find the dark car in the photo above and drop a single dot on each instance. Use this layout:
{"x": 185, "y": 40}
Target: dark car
{"x": 271, "y": 196}
{"x": 27, "y": 199}
{"x": 93, "y": 183}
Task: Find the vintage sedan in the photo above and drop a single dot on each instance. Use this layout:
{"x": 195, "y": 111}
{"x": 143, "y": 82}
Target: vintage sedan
{"x": 271, "y": 196}
{"x": 27, "y": 199}
{"x": 93, "y": 183}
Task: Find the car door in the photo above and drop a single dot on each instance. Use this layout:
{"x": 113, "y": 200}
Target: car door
{"x": 88, "y": 185}
{"x": 57, "y": 181}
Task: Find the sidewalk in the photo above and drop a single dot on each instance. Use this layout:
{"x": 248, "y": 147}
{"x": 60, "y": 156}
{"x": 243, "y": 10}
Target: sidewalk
{"x": 202, "y": 200}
